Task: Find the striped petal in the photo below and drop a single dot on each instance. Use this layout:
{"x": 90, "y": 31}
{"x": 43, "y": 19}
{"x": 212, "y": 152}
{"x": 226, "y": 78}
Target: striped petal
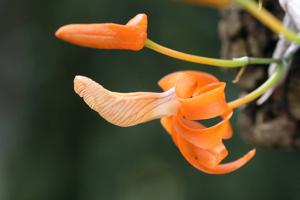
{"x": 126, "y": 109}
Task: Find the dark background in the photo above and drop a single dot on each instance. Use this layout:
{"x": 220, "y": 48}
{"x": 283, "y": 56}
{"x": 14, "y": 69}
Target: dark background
{"x": 52, "y": 146}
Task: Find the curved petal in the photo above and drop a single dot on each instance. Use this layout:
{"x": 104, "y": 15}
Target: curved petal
{"x": 208, "y": 103}
{"x": 234, "y": 165}
{"x": 126, "y": 109}
{"x": 131, "y": 36}
{"x": 206, "y": 162}
{"x": 202, "y": 78}
{"x": 167, "y": 123}
{"x": 200, "y": 158}
{"x": 186, "y": 85}
{"x": 200, "y": 136}
{"x": 207, "y": 156}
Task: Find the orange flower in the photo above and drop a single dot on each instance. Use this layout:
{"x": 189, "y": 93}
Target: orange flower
{"x": 187, "y": 96}
{"x": 131, "y": 36}
{"x": 214, "y": 3}
{"x": 202, "y": 97}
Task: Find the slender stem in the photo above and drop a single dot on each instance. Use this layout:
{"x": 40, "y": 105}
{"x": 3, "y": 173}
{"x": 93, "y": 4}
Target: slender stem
{"x": 273, "y": 80}
{"x": 268, "y": 19}
{"x": 237, "y": 62}
{"x": 263, "y": 61}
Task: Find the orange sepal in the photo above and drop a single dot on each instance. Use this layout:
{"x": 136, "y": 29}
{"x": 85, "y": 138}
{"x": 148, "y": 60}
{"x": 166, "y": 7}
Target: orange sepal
{"x": 208, "y": 162}
{"x": 131, "y": 36}
{"x": 208, "y": 102}
{"x": 167, "y": 123}
{"x": 200, "y": 136}
{"x": 185, "y": 86}
{"x": 170, "y": 80}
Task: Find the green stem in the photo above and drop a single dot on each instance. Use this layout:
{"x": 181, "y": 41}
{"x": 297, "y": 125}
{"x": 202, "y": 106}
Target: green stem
{"x": 237, "y": 62}
{"x": 271, "y": 82}
{"x": 263, "y": 61}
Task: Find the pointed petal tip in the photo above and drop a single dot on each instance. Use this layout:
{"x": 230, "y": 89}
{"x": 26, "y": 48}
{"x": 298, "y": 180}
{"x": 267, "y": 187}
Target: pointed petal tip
{"x": 79, "y": 78}
{"x": 67, "y": 32}
{"x": 80, "y": 83}
{"x": 251, "y": 153}
{"x": 235, "y": 165}
{"x": 60, "y": 32}
{"x": 74, "y": 33}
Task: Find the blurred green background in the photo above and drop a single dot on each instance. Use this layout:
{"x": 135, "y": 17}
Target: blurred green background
{"x": 52, "y": 146}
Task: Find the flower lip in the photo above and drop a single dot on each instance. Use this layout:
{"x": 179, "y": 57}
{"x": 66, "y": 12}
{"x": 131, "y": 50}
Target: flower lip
{"x": 131, "y": 36}
{"x": 125, "y": 109}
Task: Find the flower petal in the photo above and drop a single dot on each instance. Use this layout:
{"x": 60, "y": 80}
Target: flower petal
{"x": 201, "y": 95}
{"x": 126, "y": 109}
{"x": 170, "y": 80}
{"x": 200, "y": 136}
{"x": 207, "y": 162}
{"x": 210, "y": 102}
{"x": 167, "y": 123}
{"x": 201, "y": 159}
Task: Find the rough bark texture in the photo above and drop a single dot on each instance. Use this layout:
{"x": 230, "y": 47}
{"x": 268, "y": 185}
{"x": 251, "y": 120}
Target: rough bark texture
{"x": 275, "y": 124}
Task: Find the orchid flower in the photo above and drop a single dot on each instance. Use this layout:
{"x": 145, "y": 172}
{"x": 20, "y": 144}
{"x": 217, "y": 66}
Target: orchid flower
{"x": 187, "y": 96}
{"x": 291, "y": 7}
{"x": 283, "y": 49}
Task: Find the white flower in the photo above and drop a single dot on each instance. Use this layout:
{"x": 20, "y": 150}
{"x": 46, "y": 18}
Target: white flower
{"x": 292, "y": 8}
{"x": 283, "y": 48}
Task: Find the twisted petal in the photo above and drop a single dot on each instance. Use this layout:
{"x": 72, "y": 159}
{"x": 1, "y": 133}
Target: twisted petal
{"x": 201, "y": 95}
{"x": 200, "y": 136}
{"x": 205, "y": 157}
{"x": 207, "y": 162}
{"x": 208, "y": 103}
{"x": 202, "y": 78}
{"x": 125, "y": 109}
{"x": 131, "y": 36}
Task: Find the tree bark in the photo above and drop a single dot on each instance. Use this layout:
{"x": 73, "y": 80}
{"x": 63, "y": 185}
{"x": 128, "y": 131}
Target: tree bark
{"x": 276, "y": 123}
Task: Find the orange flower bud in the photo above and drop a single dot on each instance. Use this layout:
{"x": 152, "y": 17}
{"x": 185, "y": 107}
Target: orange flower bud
{"x": 131, "y": 36}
